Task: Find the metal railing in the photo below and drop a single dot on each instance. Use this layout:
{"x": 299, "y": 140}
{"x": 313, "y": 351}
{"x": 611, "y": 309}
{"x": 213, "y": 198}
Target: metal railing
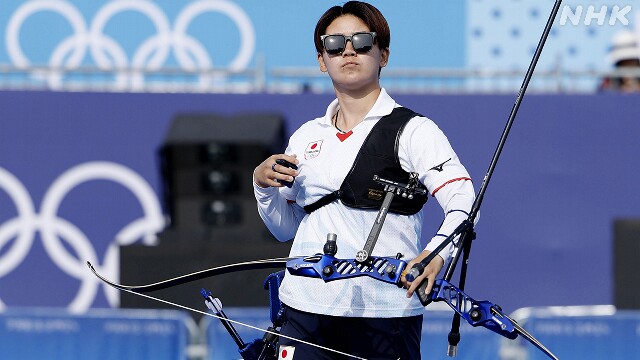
{"x": 457, "y": 80}
{"x": 296, "y": 80}
{"x": 131, "y": 79}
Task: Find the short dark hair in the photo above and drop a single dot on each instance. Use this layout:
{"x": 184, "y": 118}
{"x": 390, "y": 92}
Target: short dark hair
{"x": 368, "y": 13}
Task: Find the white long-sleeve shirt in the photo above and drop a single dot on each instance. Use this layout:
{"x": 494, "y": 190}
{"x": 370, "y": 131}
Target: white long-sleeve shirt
{"x": 325, "y": 161}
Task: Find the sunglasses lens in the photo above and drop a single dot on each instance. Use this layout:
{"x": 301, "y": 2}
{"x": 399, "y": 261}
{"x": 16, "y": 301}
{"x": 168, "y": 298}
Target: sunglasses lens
{"x": 334, "y": 44}
{"x": 362, "y": 43}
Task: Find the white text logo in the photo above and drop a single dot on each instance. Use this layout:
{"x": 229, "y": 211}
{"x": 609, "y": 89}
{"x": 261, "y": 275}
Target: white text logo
{"x": 587, "y": 15}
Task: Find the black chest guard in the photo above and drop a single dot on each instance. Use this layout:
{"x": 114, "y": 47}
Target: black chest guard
{"x": 378, "y": 156}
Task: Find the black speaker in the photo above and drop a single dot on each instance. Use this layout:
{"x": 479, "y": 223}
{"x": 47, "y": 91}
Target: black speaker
{"x": 625, "y": 263}
{"x": 206, "y": 165}
{"x": 179, "y": 254}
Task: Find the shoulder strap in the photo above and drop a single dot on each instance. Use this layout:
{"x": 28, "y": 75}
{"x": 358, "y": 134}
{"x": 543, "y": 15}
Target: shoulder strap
{"x": 325, "y": 200}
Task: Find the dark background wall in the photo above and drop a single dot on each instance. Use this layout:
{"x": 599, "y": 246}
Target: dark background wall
{"x": 545, "y": 235}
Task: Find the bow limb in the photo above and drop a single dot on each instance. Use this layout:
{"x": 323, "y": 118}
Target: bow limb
{"x": 183, "y": 279}
{"x": 249, "y": 265}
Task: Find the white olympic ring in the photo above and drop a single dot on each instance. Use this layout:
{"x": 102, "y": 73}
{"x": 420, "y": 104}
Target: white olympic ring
{"x": 108, "y": 54}
{"x": 54, "y": 230}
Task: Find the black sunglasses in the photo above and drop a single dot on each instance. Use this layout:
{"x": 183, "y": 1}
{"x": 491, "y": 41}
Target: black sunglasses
{"x": 335, "y": 44}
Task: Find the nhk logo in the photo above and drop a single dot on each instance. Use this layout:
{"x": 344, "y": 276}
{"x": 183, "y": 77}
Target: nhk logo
{"x": 586, "y": 15}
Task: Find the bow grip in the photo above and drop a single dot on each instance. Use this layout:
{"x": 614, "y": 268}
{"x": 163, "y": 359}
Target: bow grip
{"x": 425, "y": 299}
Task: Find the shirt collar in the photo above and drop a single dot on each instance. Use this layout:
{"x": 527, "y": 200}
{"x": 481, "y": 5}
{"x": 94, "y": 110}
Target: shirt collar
{"x": 383, "y": 106}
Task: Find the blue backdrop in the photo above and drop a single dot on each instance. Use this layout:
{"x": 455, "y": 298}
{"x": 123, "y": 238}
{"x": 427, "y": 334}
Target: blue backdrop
{"x": 79, "y": 174}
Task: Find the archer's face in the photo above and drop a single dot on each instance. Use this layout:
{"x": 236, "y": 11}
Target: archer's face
{"x": 352, "y": 70}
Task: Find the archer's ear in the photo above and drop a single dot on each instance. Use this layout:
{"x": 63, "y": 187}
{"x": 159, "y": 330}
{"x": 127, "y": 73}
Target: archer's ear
{"x": 323, "y": 66}
{"x": 384, "y": 57}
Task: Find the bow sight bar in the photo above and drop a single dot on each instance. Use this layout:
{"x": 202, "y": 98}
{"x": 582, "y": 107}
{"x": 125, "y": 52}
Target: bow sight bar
{"x": 391, "y": 189}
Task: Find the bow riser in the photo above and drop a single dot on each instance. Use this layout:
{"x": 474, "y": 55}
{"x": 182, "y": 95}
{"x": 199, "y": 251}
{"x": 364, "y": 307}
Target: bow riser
{"x": 476, "y": 313}
{"x": 329, "y": 268}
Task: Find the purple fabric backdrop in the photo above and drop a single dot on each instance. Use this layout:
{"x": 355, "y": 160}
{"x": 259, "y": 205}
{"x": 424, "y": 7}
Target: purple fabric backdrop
{"x": 569, "y": 168}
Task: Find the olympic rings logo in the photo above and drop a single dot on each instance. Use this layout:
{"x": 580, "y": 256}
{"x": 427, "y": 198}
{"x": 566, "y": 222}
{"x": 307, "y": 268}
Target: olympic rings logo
{"x": 108, "y": 54}
{"x": 53, "y": 229}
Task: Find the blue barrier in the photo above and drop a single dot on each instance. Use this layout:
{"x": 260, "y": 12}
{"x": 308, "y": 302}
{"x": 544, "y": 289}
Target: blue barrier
{"x": 569, "y": 332}
{"x": 476, "y": 343}
{"x": 590, "y": 335}
{"x": 106, "y": 334}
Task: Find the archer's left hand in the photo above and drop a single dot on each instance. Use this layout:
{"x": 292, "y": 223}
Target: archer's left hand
{"x": 430, "y": 272}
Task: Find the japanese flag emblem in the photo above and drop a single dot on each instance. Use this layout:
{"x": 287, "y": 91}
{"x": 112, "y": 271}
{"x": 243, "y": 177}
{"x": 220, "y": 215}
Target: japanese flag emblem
{"x": 313, "y": 149}
{"x": 286, "y": 352}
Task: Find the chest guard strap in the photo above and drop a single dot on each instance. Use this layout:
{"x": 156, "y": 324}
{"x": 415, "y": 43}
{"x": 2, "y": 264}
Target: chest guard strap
{"x": 378, "y": 156}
